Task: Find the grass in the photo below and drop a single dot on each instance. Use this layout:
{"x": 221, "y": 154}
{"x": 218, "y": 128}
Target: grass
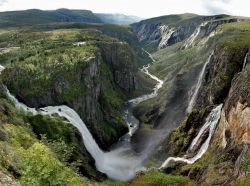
{"x": 160, "y": 179}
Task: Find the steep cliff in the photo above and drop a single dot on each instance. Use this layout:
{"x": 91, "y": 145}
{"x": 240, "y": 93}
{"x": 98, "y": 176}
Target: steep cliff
{"x": 94, "y": 79}
{"x": 161, "y": 32}
{"x": 226, "y": 80}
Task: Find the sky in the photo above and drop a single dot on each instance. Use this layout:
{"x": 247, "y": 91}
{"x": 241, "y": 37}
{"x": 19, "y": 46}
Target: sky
{"x": 141, "y": 8}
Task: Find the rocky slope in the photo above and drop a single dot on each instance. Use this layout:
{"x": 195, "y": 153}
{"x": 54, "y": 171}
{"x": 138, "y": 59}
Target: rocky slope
{"x": 158, "y": 33}
{"x": 226, "y": 80}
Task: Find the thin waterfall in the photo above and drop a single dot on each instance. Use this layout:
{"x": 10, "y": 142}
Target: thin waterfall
{"x": 211, "y": 123}
{"x": 198, "y": 85}
{"x": 245, "y": 61}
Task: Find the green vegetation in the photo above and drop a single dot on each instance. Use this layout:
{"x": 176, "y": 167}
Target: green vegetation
{"x": 160, "y": 179}
{"x": 34, "y": 16}
{"x": 28, "y": 159}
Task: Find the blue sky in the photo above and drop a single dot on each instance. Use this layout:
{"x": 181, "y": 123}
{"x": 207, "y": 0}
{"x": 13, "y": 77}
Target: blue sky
{"x": 141, "y": 8}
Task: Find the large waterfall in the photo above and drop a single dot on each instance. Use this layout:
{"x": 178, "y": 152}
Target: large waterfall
{"x": 211, "y": 123}
{"x": 117, "y": 164}
{"x": 198, "y": 85}
{"x": 121, "y": 163}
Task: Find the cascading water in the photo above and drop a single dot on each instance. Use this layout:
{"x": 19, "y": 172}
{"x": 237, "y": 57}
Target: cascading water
{"x": 198, "y": 85}
{"x": 142, "y": 98}
{"x": 122, "y": 163}
{"x": 117, "y": 164}
{"x": 245, "y": 61}
{"x": 132, "y": 122}
{"x": 211, "y": 123}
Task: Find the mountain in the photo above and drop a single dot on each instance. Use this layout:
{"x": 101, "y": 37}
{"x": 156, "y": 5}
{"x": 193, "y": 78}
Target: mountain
{"x": 119, "y": 19}
{"x": 90, "y": 103}
{"x": 35, "y": 16}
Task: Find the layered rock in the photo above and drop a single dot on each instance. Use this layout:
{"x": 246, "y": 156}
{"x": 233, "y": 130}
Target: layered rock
{"x": 7, "y": 181}
{"x": 166, "y": 31}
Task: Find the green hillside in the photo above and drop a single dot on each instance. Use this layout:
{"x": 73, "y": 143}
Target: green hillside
{"x": 35, "y": 16}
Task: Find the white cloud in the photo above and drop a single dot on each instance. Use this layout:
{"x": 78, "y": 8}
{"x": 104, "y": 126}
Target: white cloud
{"x": 2, "y": 2}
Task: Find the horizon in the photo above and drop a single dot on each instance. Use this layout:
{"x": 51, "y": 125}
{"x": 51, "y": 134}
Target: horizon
{"x": 131, "y": 8}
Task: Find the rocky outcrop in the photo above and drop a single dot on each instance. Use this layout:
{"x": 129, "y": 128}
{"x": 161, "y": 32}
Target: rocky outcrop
{"x": 160, "y": 35}
{"x": 122, "y": 62}
{"x": 234, "y": 127}
{"x": 7, "y": 181}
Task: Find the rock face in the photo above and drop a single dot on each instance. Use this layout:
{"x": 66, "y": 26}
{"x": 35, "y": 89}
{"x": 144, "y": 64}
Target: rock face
{"x": 7, "y": 181}
{"x": 224, "y": 65}
{"x": 225, "y": 81}
{"x": 122, "y": 63}
{"x": 166, "y": 31}
{"x": 234, "y": 127}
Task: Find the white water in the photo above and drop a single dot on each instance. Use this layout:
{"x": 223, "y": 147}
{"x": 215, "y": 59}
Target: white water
{"x": 118, "y": 164}
{"x": 121, "y": 163}
{"x": 79, "y": 43}
{"x": 193, "y": 37}
{"x": 211, "y": 122}
{"x": 245, "y": 61}
{"x": 198, "y": 85}
{"x": 132, "y": 122}
{"x": 142, "y": 98}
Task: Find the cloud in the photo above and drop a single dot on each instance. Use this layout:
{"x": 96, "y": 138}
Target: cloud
{"x": 2, "y": 2}
{"x": 216, "y": 6}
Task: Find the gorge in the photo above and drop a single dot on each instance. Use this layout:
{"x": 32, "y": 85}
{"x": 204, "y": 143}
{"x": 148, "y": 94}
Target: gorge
{"x": 164, "y": 100}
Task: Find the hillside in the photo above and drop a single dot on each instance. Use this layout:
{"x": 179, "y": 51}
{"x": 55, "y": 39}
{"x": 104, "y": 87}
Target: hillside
{"x": 35, "y": 16}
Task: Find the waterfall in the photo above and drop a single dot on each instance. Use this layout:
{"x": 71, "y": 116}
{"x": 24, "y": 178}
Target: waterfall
{"x": 121, "y": 163}
{"x": 245, "y": 61}
{"x": 198, "y": 85}
{"x": 117, "y": 164}
{"x": 192, "y": 38}
{"x": 211, "y": 123}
